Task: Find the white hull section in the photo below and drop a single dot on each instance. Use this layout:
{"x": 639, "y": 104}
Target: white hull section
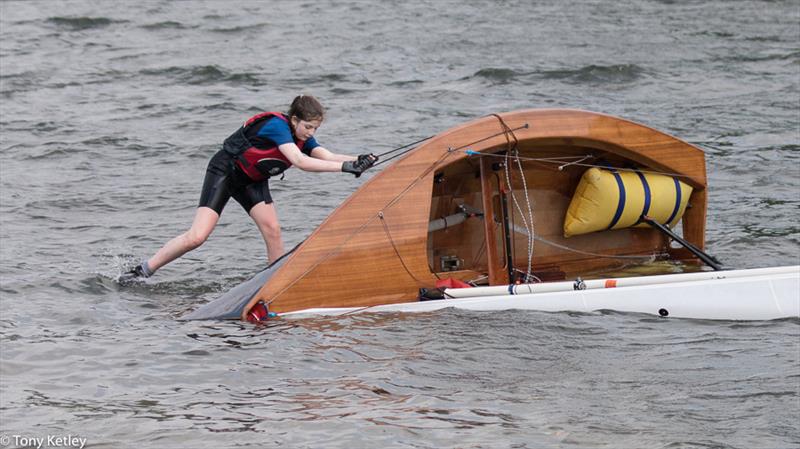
{"x": 759, "y": 294}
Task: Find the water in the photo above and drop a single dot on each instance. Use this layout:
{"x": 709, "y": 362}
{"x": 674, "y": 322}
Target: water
{"x": 109, "y": 114}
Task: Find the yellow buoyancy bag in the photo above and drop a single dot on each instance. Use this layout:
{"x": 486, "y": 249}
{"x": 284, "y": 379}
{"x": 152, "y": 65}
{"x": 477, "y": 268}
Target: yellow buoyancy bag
{"x": 615, "y": 199}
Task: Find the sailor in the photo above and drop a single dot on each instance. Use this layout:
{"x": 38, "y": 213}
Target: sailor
{"x": 264, "y": 147}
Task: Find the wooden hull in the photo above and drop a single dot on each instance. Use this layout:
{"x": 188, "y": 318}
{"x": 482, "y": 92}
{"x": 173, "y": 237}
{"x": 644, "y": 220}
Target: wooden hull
{"x": 375, "y": 248}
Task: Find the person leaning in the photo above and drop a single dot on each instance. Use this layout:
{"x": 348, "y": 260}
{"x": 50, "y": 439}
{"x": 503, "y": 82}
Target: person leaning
{"x": 265, "y": 146}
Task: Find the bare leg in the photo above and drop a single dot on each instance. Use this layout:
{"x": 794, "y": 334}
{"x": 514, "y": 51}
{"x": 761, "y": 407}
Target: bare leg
{"x": 204, "y": 222}
{"x": 266, "y": 219}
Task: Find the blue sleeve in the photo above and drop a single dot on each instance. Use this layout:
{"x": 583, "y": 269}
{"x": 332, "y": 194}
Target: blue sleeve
{"x": 310, "y": 145}
{"x": 277, "y": 131}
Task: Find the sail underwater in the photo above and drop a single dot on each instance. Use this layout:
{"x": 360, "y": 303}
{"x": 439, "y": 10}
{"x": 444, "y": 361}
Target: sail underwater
{"x": 519, "y": 210}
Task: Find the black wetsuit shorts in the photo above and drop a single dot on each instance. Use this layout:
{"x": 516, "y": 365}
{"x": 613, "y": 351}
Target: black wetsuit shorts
{"x": 225, "y": 180}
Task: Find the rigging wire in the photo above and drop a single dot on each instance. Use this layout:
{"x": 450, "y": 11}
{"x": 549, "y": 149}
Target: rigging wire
{"x": 398, "y": 149}
{"x": 563, "y": 163}
{"x": 383, "y": 161}
{"x": 396, "y": 251}
{"x": 527, "y": 221}
{"x": 404, "y": 146}
{"x": 501, "y": 133}
{"x": 606, "y": 256}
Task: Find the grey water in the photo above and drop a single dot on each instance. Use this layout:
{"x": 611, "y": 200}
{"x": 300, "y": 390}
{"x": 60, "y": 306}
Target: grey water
{"x": 109, "y": 112}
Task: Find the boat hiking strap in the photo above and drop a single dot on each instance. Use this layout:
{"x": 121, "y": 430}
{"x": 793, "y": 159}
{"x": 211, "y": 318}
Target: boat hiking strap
{"x": 708, "y": 259}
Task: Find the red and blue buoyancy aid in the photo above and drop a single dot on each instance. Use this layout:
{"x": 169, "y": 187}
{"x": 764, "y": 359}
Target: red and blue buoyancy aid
{"x": 258, "y": 161}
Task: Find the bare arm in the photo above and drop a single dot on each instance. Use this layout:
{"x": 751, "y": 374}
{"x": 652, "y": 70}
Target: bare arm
{"x": 303, "y": 162}
{"x": 327, "y": 155}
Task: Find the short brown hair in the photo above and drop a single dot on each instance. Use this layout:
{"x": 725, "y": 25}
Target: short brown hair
{"x": 306, "y": 107}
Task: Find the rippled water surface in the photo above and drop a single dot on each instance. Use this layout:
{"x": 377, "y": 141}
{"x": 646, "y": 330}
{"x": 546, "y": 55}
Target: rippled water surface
{"x": 109, "y": 112}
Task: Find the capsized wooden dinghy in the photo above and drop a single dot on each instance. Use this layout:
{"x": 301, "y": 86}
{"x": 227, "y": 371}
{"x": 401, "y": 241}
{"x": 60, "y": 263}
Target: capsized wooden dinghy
{"x": 532, "y": 196}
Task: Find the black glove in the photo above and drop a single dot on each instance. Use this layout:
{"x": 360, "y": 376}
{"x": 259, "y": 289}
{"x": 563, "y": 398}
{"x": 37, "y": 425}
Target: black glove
{"x": 370, "y": 158}
{"x": 360, "y": 165}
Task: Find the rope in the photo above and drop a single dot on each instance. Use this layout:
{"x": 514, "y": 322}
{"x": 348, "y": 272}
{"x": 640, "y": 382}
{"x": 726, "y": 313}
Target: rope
{"x": 383, "y": 161}
{"x": 532, "y": 232}
{"x": 404, "y": 146}
{"x": 527, "y": 221}
{"x": 587, "y": 253}
{"x": 396, "y": 251}
{"x": 504, "y": 132}
{"x": 398, "y": 149}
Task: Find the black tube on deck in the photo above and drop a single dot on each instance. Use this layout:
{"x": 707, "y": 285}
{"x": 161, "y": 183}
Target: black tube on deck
{"x": 708, "y": 259}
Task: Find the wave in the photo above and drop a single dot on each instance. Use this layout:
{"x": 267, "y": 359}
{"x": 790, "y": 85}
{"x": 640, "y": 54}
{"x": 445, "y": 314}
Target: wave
{"x": 407, "y": 83}
{"x": 167, "y": 25}
{"x": 791, "y": 56}
{"x": 771, "y": 39}
{"x": 239, "y": 29}
{"x": 500, "y": 75}
{"x": 336, "y": 77}
{"x": 106, "y": 141}
{"x": 82, "y": 23}
{"x": 20, "y": 82}
{"x": 330, "y": 79}
{"x": 773, "y": 231}
{"x": 715, "y": 34}
{"x": 44, "y": 150}
{"x": 597, "y": 74}
{"x": 791, "y": 148}
{"x": 207, "y": 74}
{"x": 591, "y": 74}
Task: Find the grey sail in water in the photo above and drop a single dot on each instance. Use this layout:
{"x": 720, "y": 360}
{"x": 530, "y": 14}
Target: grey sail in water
{"x": 230, "y": 305}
